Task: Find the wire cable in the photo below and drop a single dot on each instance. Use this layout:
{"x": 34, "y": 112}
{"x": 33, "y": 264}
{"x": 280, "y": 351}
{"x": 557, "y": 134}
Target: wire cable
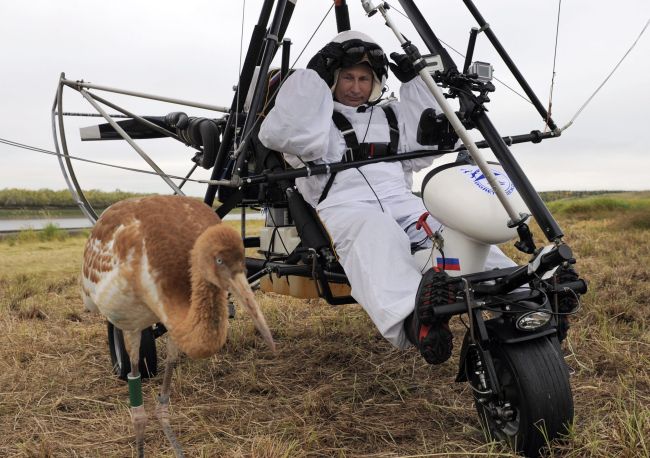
{"x": 106, "y": 164}
{"x": 372, "y": 110}
{"x": 606, "y": 79}
{"x": 241, "y": 51}
{"x": 550, "y": 96}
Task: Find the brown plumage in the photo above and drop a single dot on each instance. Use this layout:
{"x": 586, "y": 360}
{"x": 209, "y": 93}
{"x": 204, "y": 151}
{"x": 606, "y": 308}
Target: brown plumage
{"x": 166, "y": 259}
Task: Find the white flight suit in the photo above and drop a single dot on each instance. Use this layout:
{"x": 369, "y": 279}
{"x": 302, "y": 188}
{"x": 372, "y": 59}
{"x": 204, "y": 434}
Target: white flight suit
{"x": 369, "y": 212}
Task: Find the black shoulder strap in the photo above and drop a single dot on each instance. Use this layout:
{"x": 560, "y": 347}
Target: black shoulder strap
{"x": 393, "y": 128}
{"x": 343, "y": 124}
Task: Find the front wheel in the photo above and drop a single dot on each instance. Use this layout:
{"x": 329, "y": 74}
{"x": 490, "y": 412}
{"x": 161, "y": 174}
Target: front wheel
{"x": 536, "y": 403}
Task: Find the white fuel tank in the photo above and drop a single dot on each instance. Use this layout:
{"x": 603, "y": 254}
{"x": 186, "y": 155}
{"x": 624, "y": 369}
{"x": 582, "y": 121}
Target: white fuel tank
{"x": 460, "y": 197}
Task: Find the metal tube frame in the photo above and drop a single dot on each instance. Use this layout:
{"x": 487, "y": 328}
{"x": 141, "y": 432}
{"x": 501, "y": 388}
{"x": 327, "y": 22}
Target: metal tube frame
{"x": 66, "y": 168}
{"x": 125, "y": 136}
{"x": 142, "y": 95}
{"x": 60, "y": 142}
{"x": 342, "y": 15}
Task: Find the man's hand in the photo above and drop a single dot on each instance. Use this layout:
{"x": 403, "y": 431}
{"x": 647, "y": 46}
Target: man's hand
{"x": 326, "y": 61}
{"x": 402, "y": 68}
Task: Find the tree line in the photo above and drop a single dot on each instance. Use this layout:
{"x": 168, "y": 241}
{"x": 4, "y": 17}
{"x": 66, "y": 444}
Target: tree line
{"x": 14, "y": 198}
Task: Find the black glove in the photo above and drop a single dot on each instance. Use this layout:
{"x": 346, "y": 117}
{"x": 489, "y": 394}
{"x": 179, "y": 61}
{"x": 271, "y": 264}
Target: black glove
{"x": 402, "y": 68}
{"x": 176, "y": 120}
{"x": 326, "y": 61}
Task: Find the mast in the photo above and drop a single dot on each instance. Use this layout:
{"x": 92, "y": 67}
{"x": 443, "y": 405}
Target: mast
{"x": 245, "y": 78}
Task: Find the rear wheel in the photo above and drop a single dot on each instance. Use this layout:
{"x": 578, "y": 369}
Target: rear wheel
{"x": 120, "y": 359}
{"x": 536, "y": 405}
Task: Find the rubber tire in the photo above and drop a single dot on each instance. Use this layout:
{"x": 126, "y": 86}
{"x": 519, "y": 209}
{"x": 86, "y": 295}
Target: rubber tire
{"x": 535, "y": 379}
{"x": 120, "y": 358}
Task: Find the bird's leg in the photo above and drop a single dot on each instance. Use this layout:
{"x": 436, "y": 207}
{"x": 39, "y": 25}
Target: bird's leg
{"x": 138, "y": 414}
{"x": 162, "y": 410}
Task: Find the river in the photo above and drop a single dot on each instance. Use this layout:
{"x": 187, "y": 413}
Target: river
{"x": 13, "y": 225}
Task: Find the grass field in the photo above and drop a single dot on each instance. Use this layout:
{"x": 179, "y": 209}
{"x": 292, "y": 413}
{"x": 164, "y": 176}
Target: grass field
{"x": 335, "y": 387}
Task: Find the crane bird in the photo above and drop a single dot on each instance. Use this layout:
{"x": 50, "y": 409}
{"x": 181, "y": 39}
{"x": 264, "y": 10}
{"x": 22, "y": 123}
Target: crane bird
{"x": 166, "y": 259}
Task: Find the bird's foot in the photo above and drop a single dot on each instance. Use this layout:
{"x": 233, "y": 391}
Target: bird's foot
{"x": 162, "y": 412}
{"x": 139, "y": 419}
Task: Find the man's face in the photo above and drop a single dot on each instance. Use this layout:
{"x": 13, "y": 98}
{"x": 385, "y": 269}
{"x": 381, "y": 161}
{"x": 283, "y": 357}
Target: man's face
{"x": 354, "y": 85}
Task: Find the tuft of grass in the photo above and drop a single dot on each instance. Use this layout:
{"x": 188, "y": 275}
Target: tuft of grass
{"x": 28, "y": 235}
{"x": 21, "y": 288}
{"x": 52, "y": 232}
{"x": 636, "y": 220}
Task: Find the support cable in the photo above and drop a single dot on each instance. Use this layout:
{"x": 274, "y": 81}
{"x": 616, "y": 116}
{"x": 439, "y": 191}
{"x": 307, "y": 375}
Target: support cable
{"x": 550, "y": 96}
{"x": 241, "y": 50}
{"x": 606, "y": 79}
{"x": 106, "y": 164}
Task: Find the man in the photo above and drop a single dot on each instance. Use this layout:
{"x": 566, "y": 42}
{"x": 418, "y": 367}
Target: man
{"x": 328, "y": 113}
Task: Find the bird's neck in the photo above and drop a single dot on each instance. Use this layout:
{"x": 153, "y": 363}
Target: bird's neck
{"x": 203, "y": 330}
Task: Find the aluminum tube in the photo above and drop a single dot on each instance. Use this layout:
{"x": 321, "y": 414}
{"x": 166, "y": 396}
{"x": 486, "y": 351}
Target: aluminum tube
{"x": 187, "y": 177}
{"x": 458, "y": 127}
{"x": 77, "y": 193}
{"x": 78, "y": 85}
{"x": 286, "y": 18}
{"x": 320, "y": 169}
{"x": 147, "y": 123}
{"x": 342, "y": 15}
{"x": 56, "y": 145}
{"x": 126, "y": 137}
{"x": 470, "y": 49}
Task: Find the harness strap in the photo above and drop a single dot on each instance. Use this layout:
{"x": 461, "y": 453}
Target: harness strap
{"x": 356, "y": 151}
{"x": 393, "y": 128}
{"x": 343, "y": 124}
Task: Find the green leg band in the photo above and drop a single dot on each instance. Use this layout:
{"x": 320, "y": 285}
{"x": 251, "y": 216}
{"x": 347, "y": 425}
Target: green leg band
{"x": 135, "y": 391}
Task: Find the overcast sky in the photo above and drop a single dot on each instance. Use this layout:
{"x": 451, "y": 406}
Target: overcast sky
{"x": 191, "y": 50}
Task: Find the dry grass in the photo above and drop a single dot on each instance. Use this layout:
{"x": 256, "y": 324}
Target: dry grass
{"x": 335, "y": 387}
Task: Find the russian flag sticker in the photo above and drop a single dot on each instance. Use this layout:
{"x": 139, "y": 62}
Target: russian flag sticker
{"x": 449, "y": 263}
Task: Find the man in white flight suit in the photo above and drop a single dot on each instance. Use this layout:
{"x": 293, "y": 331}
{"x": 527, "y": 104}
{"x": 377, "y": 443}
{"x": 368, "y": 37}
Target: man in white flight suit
{"x": 370, "y": 211}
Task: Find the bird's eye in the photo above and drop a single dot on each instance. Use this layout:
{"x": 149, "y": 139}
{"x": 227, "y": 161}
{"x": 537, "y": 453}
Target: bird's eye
{"x": 219, "y": 261}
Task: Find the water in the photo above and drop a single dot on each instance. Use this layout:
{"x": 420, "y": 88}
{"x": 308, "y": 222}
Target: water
{"x": 12, "y": 225}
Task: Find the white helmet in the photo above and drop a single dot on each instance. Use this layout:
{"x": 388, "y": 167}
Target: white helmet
{"x": 360, "y": 48}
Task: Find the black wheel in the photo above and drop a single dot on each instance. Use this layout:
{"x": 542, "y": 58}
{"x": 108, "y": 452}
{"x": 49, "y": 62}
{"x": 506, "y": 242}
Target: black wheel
{"x": 120, "y": 358}
{"x": 536, "y": 405}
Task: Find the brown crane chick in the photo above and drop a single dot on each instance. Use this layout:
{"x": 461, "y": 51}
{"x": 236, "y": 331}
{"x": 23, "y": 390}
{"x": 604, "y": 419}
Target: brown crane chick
{"x": 166, "y": 259}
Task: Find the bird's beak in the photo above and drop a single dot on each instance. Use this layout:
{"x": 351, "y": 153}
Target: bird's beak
{"x": 244, "y": 295}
